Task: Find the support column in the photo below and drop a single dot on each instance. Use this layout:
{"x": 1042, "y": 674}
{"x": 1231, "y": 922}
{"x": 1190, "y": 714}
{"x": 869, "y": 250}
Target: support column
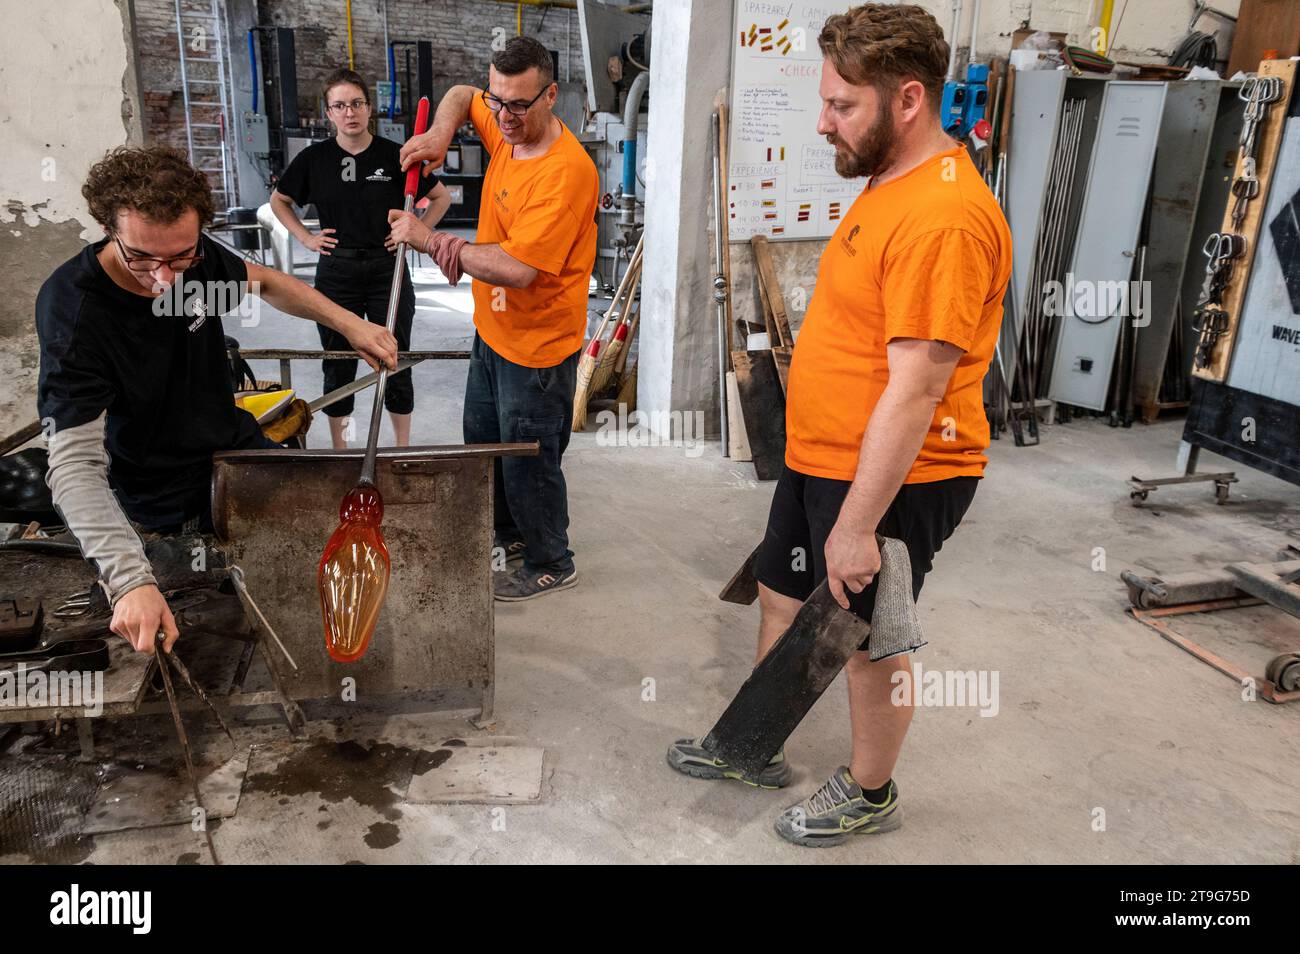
{"x": 678, "y": 365}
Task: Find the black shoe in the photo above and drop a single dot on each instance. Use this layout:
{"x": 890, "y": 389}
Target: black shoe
{"x": 521, "y": 584}
{"x": 507, "y": 555}
{"x": 690, "y": 758}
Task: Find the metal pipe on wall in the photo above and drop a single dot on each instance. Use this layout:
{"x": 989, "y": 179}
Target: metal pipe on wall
{"x": 720, "y": 289}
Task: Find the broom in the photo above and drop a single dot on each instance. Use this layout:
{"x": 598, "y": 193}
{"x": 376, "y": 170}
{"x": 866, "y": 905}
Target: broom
{"x": 617, "y": 345}
{"x": 587, "y": 363}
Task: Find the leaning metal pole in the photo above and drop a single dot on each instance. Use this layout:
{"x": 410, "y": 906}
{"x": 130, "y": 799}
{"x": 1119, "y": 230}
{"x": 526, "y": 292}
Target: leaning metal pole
{"x": 720, "y": 279}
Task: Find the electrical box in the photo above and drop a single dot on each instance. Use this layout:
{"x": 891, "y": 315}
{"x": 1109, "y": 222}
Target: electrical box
{"x": 253, "y": 133}
{"x": 387, "y": 94}
{"x": 391, "y": 129}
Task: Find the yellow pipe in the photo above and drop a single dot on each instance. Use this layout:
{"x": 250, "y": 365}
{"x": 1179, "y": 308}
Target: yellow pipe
{"x": 351, "y": 63}
{"x": 1107, "y": 8}
{"x": 564, "y": 4}
{"x": 519, "y": 20}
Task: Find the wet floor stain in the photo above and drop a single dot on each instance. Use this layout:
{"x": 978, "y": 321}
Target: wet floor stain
{"x": 382, "y": 835}
{"x": 189, "y": 858}
{"x": 370, "y": 773}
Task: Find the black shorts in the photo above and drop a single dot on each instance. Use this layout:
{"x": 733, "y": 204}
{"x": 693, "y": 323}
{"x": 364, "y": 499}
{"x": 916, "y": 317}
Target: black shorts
{"x": 792, "y": 558}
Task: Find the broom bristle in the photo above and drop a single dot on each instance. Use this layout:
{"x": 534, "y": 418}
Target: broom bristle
{"x": 586, "y": 367}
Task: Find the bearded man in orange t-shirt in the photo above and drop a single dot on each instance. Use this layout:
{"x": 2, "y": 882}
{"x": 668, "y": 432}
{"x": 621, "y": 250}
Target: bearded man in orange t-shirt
{"x": 885, "y": 424}
{"x": 531, "y": 262}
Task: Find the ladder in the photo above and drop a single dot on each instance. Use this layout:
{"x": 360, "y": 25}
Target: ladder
{"x": 199, "y": 36}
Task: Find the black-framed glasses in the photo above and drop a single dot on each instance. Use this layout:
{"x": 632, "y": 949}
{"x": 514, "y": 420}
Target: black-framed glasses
{"x": 515, "y": 107}
{"x": 355, "y": 105}
{"x": 140, "y": 263}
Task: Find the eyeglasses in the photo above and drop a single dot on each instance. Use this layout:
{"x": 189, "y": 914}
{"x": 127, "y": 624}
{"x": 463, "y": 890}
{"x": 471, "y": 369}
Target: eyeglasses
{"x": 515, "y": 107}
{"x": 356, "y": 106}
{"x": 138, "y": 263}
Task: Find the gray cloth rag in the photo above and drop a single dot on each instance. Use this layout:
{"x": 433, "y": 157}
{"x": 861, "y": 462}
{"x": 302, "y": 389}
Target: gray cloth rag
{"x": 895, "y": 625}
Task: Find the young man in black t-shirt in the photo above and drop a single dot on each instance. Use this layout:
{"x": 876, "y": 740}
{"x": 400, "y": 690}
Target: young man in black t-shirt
{"x": 135, "y": 388}
{"x": 354, "y": 180}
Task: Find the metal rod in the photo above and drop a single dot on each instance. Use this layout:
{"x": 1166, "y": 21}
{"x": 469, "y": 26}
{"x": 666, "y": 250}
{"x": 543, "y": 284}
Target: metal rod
{"x": 720, "y": 278}
{"x": 185, "y": 742}
{"x": 377, "y": 409}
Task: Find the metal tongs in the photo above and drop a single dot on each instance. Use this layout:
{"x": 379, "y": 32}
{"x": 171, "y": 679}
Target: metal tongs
{"x": 170, "y": 659}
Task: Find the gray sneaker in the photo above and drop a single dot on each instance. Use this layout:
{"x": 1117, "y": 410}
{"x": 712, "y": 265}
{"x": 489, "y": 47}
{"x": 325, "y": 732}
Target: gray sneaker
{"x": 837, "y": 810}
{"x": 688, "y": 757}
{"x": 521, "y": 583}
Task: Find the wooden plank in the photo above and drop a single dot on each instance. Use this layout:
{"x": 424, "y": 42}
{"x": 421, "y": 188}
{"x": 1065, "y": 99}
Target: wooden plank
{"x": 742, "y": 588}
{"x": 782, "y": 356}
{"x": 1263, "y": 25}
{"x": 770, "y": 287}
{"x": 1268, "y": 138}
{"x": 763, "y": 405}
{"x": 786, "y": 684}
{"x": 737, "y": 439}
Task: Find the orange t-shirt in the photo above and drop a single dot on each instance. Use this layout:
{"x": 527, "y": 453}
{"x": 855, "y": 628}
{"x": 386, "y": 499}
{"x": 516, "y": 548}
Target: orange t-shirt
{"x": 542, "y": 211}
{"x": 926, "y": 255}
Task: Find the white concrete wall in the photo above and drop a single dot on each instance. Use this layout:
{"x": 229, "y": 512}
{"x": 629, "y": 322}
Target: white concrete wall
{"x": 63, "y": 69}
{"x": 62, "y": 106}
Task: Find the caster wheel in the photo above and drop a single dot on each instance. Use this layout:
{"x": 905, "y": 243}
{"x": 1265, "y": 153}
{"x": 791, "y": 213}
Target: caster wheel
{"x": 1284, "y": 672}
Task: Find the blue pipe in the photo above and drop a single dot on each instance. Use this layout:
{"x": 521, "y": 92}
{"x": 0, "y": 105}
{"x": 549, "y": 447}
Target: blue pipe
{"x": 629, "y": 167}
{"x": 252, "y": 62}
{"x": 392, "y": 83}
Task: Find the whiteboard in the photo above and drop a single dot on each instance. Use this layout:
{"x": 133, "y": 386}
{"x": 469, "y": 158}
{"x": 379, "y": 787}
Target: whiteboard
{"x": 783, "y": 182}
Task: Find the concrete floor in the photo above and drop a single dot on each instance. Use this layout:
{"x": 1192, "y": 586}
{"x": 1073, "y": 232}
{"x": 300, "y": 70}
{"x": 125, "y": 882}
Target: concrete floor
{"x": 1095, "y": 710}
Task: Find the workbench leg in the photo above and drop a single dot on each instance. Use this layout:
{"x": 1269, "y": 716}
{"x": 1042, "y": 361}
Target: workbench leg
{"x": 86, "y": 738}
{"x": 241, "y": 671}
{"x": 286, "y": 375}
{"x": 292, "y": 713}
{"x": 487, "y": 716}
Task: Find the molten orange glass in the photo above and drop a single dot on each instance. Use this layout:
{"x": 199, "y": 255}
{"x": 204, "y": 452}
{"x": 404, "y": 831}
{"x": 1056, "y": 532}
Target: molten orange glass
{"x": 353, "y": 575}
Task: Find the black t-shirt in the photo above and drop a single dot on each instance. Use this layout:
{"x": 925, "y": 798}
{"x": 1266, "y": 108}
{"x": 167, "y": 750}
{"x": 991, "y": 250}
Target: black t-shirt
{"x": 159, "y": 370}
{"x": 353, "y": 194}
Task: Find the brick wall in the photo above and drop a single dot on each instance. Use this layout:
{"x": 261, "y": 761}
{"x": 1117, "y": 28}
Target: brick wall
{"x": 462, "y": 33}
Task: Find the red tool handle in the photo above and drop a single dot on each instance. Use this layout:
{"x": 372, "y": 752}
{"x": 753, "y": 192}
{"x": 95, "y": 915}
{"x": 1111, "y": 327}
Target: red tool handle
{"x": 421, "y": 124}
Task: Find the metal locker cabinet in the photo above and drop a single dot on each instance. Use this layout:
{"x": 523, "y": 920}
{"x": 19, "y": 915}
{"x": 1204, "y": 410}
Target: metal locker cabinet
{"x": 1035, "y": 115}
{"x": 1118, "y": 176}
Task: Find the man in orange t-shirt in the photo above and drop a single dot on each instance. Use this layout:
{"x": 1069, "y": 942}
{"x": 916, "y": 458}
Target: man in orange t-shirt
{"x": 885, "y": 424}
{"x": 531, "y": 264}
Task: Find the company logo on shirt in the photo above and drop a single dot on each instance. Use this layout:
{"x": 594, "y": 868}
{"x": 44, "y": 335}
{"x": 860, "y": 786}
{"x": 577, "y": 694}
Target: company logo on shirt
{"x": 200, "y": 312}
{"x": 500, "y": 198}
{"x": 378, "y": 176}
{"x": 847, "y": 243}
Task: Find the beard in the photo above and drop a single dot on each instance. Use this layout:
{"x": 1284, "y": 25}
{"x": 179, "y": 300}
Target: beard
{"x": 873, "y": 153}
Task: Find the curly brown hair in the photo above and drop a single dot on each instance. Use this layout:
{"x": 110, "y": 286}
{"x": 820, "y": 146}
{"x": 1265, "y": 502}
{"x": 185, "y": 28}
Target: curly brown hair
{"x": 883, "y": 44}
{"x": 156, "y": 181}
